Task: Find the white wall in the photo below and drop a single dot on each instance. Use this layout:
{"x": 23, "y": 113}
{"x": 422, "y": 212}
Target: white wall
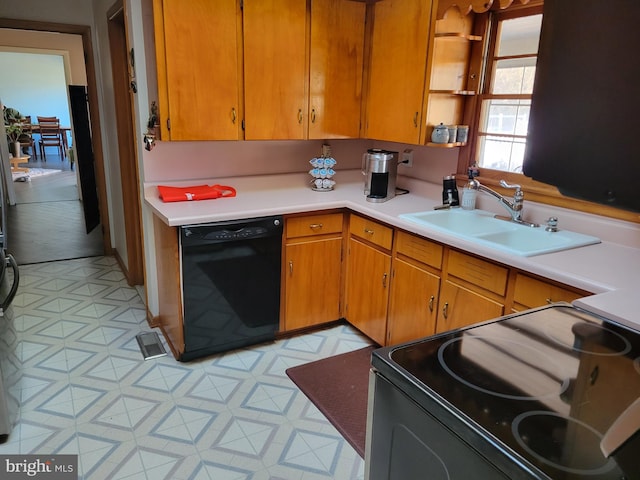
{"x": 37, "y": 86}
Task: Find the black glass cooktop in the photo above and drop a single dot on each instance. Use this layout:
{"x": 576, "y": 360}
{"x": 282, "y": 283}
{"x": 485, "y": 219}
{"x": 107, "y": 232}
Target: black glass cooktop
{"x": 548, "y": 384}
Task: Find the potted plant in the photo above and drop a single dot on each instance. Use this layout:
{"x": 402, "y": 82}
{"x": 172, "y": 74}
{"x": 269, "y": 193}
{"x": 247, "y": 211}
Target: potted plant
{"x": 13, "y": 126}
{"x": 14, "y": 132}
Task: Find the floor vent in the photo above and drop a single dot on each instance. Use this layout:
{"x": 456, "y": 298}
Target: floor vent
{"x": 150, "y": 345}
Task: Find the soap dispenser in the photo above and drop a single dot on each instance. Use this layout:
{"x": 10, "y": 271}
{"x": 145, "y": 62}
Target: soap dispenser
{"x": 470, "y": 190}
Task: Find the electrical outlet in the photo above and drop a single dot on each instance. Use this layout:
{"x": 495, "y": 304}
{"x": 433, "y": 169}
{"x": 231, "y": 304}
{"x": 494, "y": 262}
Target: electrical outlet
{"x": 407, "y": 158}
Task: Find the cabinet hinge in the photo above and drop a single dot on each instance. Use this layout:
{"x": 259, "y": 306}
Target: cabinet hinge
{"x": 241, "y": 4}
{"x": 243, "y": 125}
{"x": 168, "y": 124}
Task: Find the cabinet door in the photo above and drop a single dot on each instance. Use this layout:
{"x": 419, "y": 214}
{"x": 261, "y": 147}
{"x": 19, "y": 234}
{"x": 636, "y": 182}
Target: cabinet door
{"x": 198, "y": 68}
{"x": 460, "y": 307}
{"x": 312, "y": 283}
{"x": 335, "y": 80}
{"x": 275, "y": 72}
{"x": 530, "y": 293}
{"x": 413, "y": 304}
{"x": 368, "y": 290}
{"x": 401, "y": 30}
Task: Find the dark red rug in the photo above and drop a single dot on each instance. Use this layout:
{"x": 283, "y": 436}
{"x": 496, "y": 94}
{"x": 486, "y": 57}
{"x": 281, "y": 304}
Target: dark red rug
{"x": 338, "y": 386}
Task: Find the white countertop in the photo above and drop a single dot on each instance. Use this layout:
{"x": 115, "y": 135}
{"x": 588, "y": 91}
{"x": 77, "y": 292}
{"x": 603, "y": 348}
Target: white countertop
{"x": 601, "y": 268}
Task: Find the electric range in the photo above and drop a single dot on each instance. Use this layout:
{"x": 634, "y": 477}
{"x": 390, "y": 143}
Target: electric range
{"x": 530, "y": 395}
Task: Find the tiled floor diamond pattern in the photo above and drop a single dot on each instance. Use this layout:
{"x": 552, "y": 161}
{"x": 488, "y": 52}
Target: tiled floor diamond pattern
{"x": 246, "y": 437}
{"x": 313, "y": 451}
{"x": 87, "y": 390}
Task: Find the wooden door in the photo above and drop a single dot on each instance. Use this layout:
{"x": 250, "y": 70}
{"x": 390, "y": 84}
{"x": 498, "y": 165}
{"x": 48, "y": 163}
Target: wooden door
{"x": 199, "y": 84}
{"x": 121, "y": 63}
{"x": 275, "y": 69}
{"x": 460, "y": 307}
{"x": 367, "y": 292}
{"x": 413, "y": 305}
{"x": 312, "y": 282}
{"x": 335, "y": 79}
{"x": 401, "y": 30}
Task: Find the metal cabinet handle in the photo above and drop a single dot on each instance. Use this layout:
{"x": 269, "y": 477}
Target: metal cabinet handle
{"x": 299, "y": 115}
{"x": 445, "y": 310}
{"x": 549, "y": 301}
{"x": 384, "y": 280}
{"x": 315, "y": 226}
{"x": 370, "y": 232}
{"x": 313, "y": 115}
{"x": 431, "y": 303}
{"x": 415, "y": 120}
{"x": 234, "y": 116}
{"x": 291, "y": 267}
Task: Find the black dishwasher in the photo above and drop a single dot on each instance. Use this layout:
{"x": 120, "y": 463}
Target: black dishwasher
{"x": 231, "y": 284}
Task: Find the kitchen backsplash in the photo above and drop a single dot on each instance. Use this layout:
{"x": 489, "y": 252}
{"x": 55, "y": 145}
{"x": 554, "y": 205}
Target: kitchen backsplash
{"x": 173, "y": 161}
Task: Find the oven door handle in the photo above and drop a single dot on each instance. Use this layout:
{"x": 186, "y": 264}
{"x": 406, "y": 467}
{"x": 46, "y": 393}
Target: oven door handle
{"x": 9, "y": 260}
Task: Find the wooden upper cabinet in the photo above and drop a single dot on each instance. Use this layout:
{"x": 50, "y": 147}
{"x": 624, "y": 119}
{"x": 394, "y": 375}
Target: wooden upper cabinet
{"x": 335, "y": 73}
{"x": 275, "y": 69}
{"x": 397, "y": 69}
{"x": 198, "y": 65}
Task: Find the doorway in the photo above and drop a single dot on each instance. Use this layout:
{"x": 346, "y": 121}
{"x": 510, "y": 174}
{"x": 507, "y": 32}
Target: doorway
{"x": 53, "y": 231}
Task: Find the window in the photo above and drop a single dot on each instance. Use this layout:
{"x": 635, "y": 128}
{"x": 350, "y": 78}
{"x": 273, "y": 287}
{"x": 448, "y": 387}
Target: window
{"x": 506, "y": 98}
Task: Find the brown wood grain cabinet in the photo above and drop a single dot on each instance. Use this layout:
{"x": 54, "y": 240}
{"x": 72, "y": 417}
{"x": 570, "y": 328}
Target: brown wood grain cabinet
{"x": 415, "y": 288}
{"x": 269, "y": 70}
{"x": 419, "y": 71}
{"x": 198, "y": 57}
{"x": 170, "y": 316}
{"x": 275, "y": 75}
{"x": 368, "y": 277}
{"x": 336, "y": 68}
{"x": 452, "y": 80}
{"x": 312, "y": 270}
{"x": 531, "y": 292}
{"x": 473, "y": 291}
{"x": 397, "y": 70}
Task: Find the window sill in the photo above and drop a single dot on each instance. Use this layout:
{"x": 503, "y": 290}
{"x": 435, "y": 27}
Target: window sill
{"x": 547, "y": 194}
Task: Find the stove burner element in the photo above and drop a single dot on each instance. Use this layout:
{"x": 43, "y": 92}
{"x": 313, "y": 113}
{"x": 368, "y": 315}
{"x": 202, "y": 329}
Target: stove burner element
{"x": 508, "y": 358}
{"x": 564, "y": 443}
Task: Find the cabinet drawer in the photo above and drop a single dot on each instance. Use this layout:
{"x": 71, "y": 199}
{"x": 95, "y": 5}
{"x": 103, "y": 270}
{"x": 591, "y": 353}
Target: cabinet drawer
{"x": 531, "y": 292}
{"x": 479, "y": 272}
{"x": 419, "y": 249}
{"x": 314, "y": 225}
{"x": 371, "y": 231}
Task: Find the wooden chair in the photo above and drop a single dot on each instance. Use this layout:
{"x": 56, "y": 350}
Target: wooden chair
{"x": 26, "y": 139}
{"x": 50, "y": 136}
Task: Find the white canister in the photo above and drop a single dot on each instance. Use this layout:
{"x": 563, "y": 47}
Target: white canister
{"x": 440, "y": 134}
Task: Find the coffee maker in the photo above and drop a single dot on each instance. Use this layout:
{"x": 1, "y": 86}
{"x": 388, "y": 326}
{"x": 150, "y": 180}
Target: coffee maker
{"x": 380, "y": 169}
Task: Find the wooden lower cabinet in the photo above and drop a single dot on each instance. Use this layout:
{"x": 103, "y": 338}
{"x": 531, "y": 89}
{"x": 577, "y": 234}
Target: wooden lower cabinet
{"x": 460, "y": 306}
{"x": 413, "y": 305}
{"x": 312, "y": 270}
{"x": 367, "y": 290}
{"x": 531, "y": 292}
{"x": 312, "y": 283}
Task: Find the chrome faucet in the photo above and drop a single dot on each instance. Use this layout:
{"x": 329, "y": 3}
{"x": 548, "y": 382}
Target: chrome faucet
{"x": 514, "y": 207}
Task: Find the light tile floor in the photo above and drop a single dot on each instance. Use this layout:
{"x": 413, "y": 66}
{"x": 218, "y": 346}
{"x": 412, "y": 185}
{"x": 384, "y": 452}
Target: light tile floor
{"x": 85, "y": 389}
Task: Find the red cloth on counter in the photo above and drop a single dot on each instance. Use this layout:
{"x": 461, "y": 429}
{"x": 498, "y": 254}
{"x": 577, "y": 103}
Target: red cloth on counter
{"x": 197, "y": 192}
